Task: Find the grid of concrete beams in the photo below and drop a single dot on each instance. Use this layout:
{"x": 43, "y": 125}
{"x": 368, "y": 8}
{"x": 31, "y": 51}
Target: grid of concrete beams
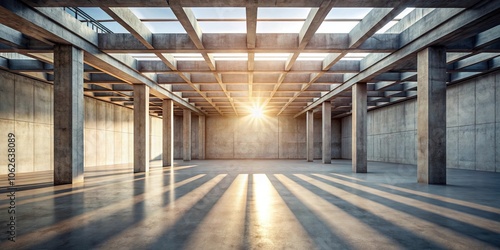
{"x": 468, "y": 30}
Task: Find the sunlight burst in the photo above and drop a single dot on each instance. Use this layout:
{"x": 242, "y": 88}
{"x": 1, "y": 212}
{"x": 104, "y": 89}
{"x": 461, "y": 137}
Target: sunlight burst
{"x": 257, "y": 112}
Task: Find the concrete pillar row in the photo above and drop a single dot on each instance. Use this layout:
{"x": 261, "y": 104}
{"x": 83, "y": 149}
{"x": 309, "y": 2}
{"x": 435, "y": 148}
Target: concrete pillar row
{"x": 168, "y": 133}
{"x": 68, "y": 115}
{"x": 431, "y": 116}
{"x": 326, "y": 109}
{"x": 310, "y": 136}
{"x": 201, "y": 137}
{"x": 186, "y": 133}
{"x": 359, "y": 128}
{"x": 141, "y": 128}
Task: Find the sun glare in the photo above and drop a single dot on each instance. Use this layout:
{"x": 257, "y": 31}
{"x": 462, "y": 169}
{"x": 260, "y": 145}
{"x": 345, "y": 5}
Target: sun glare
{"x": 257, "y": 112}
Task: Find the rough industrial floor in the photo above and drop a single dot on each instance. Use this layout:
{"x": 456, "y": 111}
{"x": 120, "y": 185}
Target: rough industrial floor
{"x": 255, "y": 204}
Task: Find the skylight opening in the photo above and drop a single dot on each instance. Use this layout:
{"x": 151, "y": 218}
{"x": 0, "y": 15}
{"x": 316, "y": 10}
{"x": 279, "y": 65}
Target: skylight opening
{"x": 271, "y": 56}
{"x": 230, "y": 56}
{"x": 115, "y": 27}
{"x": 219, "y": 13}
{"x": 337, "y": 26}
{"x": 348, "y": 13}
{"x": 279, "y": 26}
{"x": 96, "y": 19}
{"x": 387, "y": 27}
{"x": 144, "y": 56}
{"x": 312, "y": 56}
{"x": 223, "y": 27}
{"x": 355, "y": 56}
{"x": 404, "y": 13}
{"x": 165, "y": 27}
{"x": 188, "y": 56}
{"x": 282, "y": 13}
{"x": 154, "y": 13}
{"x": 96, "y": 13}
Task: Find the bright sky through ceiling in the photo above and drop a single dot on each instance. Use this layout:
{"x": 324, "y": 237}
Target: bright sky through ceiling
{"x": 153, "y": 13}
{"x": 284, "y": 19}
{"x": 354, "y": 56}
{"x": 208, "y": 19}
{"x": 348, "y": 13}
{"x": 223, "y": 27}
{"x": 337, "y": 27}
{"x": 271, "y": 56}
{"x": 404, "y": 13}
{"x": 233, "y": 20}
{"x": 96, "y": 13}
{"x": 278, "y": 27}
{"x": 188, "y": 56}
{"x": 144, "y": 56}
{"x": 283, "y": 13}
{"x": 389, "y": 25}
{"x": 165, "y": 27}
{"x": 230, "y": 56}
{"x": 219, "y": 13}
{"x": 312, "y": 56}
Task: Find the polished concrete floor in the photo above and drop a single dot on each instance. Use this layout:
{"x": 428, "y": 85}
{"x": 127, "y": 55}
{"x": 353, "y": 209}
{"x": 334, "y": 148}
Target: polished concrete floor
{"x": 255, "y": 204}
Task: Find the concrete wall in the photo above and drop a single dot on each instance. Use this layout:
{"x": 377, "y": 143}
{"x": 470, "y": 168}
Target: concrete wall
{"x": 280, "y": 137}
{"x": 473, "y": 128}
{"x": 26, "y": 108}
{"x": 156, "y": 136}
{"x": 109, "y": 134}
{"x": 391, "y": 134}
{"x": 107, "y": 140}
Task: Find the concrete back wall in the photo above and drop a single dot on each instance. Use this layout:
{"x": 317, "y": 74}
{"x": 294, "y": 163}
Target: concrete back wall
{"x": 26, "y": 108}
{"x": 280, "y": 137}
{"x": 472, "y": 135}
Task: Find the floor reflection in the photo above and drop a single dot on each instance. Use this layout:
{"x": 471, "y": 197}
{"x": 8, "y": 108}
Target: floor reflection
{"x": 271, "y": 223}
{"x": 256, "y": 205}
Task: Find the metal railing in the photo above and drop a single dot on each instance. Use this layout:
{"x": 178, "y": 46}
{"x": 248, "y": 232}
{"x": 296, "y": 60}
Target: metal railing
{"x": 90, "y": 21}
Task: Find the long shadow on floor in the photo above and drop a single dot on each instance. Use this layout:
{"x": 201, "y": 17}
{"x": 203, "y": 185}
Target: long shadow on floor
{"x": 429, "y": 200}
{"x": 456, "y": 225}
{"x": 322, "y": 236}
{"x": 177, "y": 236}
{"x": 87, "y": 235}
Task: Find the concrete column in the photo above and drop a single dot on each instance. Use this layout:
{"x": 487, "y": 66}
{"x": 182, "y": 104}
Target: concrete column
{"x": 168, "y": 133}
{"x": 310, "y": 135}
{"x": 431, "y": 122}
{"x": 68, "y": 115}
{"x": 141, "y": 128}
{"x": 359, "y": 128}
{"x": 327, "y": 132}
{"x": 201, "y": 137}
{"x": 186, "y": 134}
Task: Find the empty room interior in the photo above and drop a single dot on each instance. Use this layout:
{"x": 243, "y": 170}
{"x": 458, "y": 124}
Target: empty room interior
{"x": 249, "y": 124}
